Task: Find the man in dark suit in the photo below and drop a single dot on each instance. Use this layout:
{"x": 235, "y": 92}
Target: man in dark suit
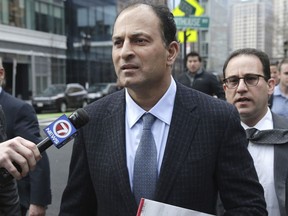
{"x": 199, "y": 140}
{"x": 248, "y": 85}
{"x": 21, "y": 120}
{"x": 14, "y": 150}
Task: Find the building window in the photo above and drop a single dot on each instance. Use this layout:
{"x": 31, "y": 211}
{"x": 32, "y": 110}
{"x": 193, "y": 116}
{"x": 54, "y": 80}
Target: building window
{"x": 12, "y": 12}
{"x": 41, "y": 15}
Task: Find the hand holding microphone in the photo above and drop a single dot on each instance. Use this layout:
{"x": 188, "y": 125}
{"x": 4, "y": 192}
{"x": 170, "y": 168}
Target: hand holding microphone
{"x": 23, "y": 154}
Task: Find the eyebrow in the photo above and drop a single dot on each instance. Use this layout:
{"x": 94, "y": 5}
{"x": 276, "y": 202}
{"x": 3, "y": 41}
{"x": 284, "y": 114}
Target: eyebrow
{"x": 133, "y": 35}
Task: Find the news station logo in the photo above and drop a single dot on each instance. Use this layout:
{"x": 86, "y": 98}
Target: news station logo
{"x": 60, "y": 131}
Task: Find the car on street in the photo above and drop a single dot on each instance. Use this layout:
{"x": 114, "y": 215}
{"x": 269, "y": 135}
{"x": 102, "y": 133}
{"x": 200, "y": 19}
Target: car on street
{"x": 98, "y": 90}
{"x": 60, "y": 97}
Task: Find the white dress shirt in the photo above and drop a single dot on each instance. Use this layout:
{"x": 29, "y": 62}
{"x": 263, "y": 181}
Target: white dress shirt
{"x": 263, "y": 157}
{"x": 162, "y": 111}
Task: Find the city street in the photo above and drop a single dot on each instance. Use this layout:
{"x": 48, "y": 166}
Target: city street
{"x": 59, "y": 167}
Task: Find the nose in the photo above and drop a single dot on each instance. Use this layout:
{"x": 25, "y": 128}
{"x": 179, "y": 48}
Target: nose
{"x": 241, "y": 86}
{"x": 126, "y": 50}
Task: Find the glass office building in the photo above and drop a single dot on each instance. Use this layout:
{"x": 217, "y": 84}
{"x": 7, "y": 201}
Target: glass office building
{"x": 55, "y": 41}
{"x": 89, "y": 25}
{"x": 32, "y": 45}
{"x": 44, "y": 42}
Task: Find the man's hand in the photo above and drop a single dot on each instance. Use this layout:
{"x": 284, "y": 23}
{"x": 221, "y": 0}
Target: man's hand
{"x": 20, "y": 151}
{"x": 35, "y": 210}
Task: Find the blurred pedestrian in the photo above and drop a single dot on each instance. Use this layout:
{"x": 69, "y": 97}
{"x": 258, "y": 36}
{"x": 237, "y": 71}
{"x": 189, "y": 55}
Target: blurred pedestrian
{"x": 280, "y": 96}
{"x": 247, "y": 85}
{"x": 274, "y": 71}
{"x": 195, "y": 143}
{"x": 21, "y": 120}
{"x": 25, "y": 154}
{"x": 197, "y": 78}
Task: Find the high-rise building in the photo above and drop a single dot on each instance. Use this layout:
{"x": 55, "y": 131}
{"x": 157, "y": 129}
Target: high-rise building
{"x": 251, "y": 25}
{"x": 280, "y": 29}
{"x": 214, "y": 41}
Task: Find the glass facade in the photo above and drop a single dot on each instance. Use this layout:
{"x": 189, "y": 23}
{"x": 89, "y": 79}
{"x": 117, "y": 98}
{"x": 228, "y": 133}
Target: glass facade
{"x": 46, "y": 16}
{"x": 32, "y": 45}
{"x": 89, "y": 31}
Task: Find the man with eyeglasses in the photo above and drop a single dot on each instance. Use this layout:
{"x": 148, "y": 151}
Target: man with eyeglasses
{"x": 248, "y": 85}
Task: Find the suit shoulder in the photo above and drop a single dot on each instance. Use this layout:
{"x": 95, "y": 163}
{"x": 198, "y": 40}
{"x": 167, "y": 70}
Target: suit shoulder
{"x": 195, "y": 96}
{"x": 279, "y": 121}
{"x": 107, "y": 104}
{"x": 9, "y": 103}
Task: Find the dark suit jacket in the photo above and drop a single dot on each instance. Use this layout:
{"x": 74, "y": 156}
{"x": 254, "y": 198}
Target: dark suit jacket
{"x": 205, "y": 152}
{"x": 9, "y": 199}
{"x": 205, "y": 82}
{"x": 22, "y": 121}
{"x": 281, "y": 167}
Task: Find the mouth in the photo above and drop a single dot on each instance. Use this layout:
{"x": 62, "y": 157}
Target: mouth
{"x": 242, "y": 100}
{"x": 129, "y": 67}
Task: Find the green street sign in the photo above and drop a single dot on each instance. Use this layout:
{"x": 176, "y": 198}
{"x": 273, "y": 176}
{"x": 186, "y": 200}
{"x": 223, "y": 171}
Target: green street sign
{"x": 192, "y": 22}
{"x": 187, "y": 8}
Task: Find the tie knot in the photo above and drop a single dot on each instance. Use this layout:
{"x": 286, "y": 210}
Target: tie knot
{"x": 148, "y": 120}
{"x": 250, "y": 132}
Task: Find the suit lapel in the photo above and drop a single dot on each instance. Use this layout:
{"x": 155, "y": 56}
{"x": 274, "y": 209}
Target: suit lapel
{"x": 181, "y": 134}
{"x": 115, "y": 137}
{"x": 280, "y": 165}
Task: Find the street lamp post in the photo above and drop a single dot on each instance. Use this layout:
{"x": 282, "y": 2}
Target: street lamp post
{"x": 86, "y": 45}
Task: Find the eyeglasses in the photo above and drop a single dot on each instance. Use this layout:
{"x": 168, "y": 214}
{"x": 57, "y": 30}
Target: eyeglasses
{"x": 249, "y": 79}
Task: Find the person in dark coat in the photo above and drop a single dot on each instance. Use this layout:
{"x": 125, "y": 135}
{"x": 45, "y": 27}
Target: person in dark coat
{"x": 197, "y": 78}
{"x": 200, "y": 144}
{"x": 14, "y": 150}
{"x": 21, "y": 120}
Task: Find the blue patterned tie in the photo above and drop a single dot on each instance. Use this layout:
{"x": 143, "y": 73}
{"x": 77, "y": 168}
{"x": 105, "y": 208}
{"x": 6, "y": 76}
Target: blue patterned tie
{"x": 145, "y": 164}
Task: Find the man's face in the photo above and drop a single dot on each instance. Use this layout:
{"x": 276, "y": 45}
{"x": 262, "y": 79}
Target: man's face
{"x": 140, "y": 57}
{"x": 250, "y": 101}
{"x": 2, "y": 75}
{"x": 274, "y": 73}
{"x": 193, "y": 64}
{"x": 284, "y": 75}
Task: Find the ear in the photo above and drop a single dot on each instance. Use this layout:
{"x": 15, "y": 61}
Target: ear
{"x": 173, "y": 51}
{"x": 224, "y": 87}
{"x": 271, "y": 86}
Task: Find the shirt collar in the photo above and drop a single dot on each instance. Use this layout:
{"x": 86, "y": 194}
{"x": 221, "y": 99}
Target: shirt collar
{"x": 264, "y": 124}
{"x": 277, "y": 90}
{"x": 162, "y": 110}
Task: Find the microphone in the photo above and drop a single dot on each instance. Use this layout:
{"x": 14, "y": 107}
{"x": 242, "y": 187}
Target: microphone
{"x": 78, "y": 119}
{"x": 59, "y": 132}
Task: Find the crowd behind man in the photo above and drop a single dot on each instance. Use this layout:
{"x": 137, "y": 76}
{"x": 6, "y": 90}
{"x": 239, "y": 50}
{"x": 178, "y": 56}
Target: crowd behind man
{"x": 280, "y": 95}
